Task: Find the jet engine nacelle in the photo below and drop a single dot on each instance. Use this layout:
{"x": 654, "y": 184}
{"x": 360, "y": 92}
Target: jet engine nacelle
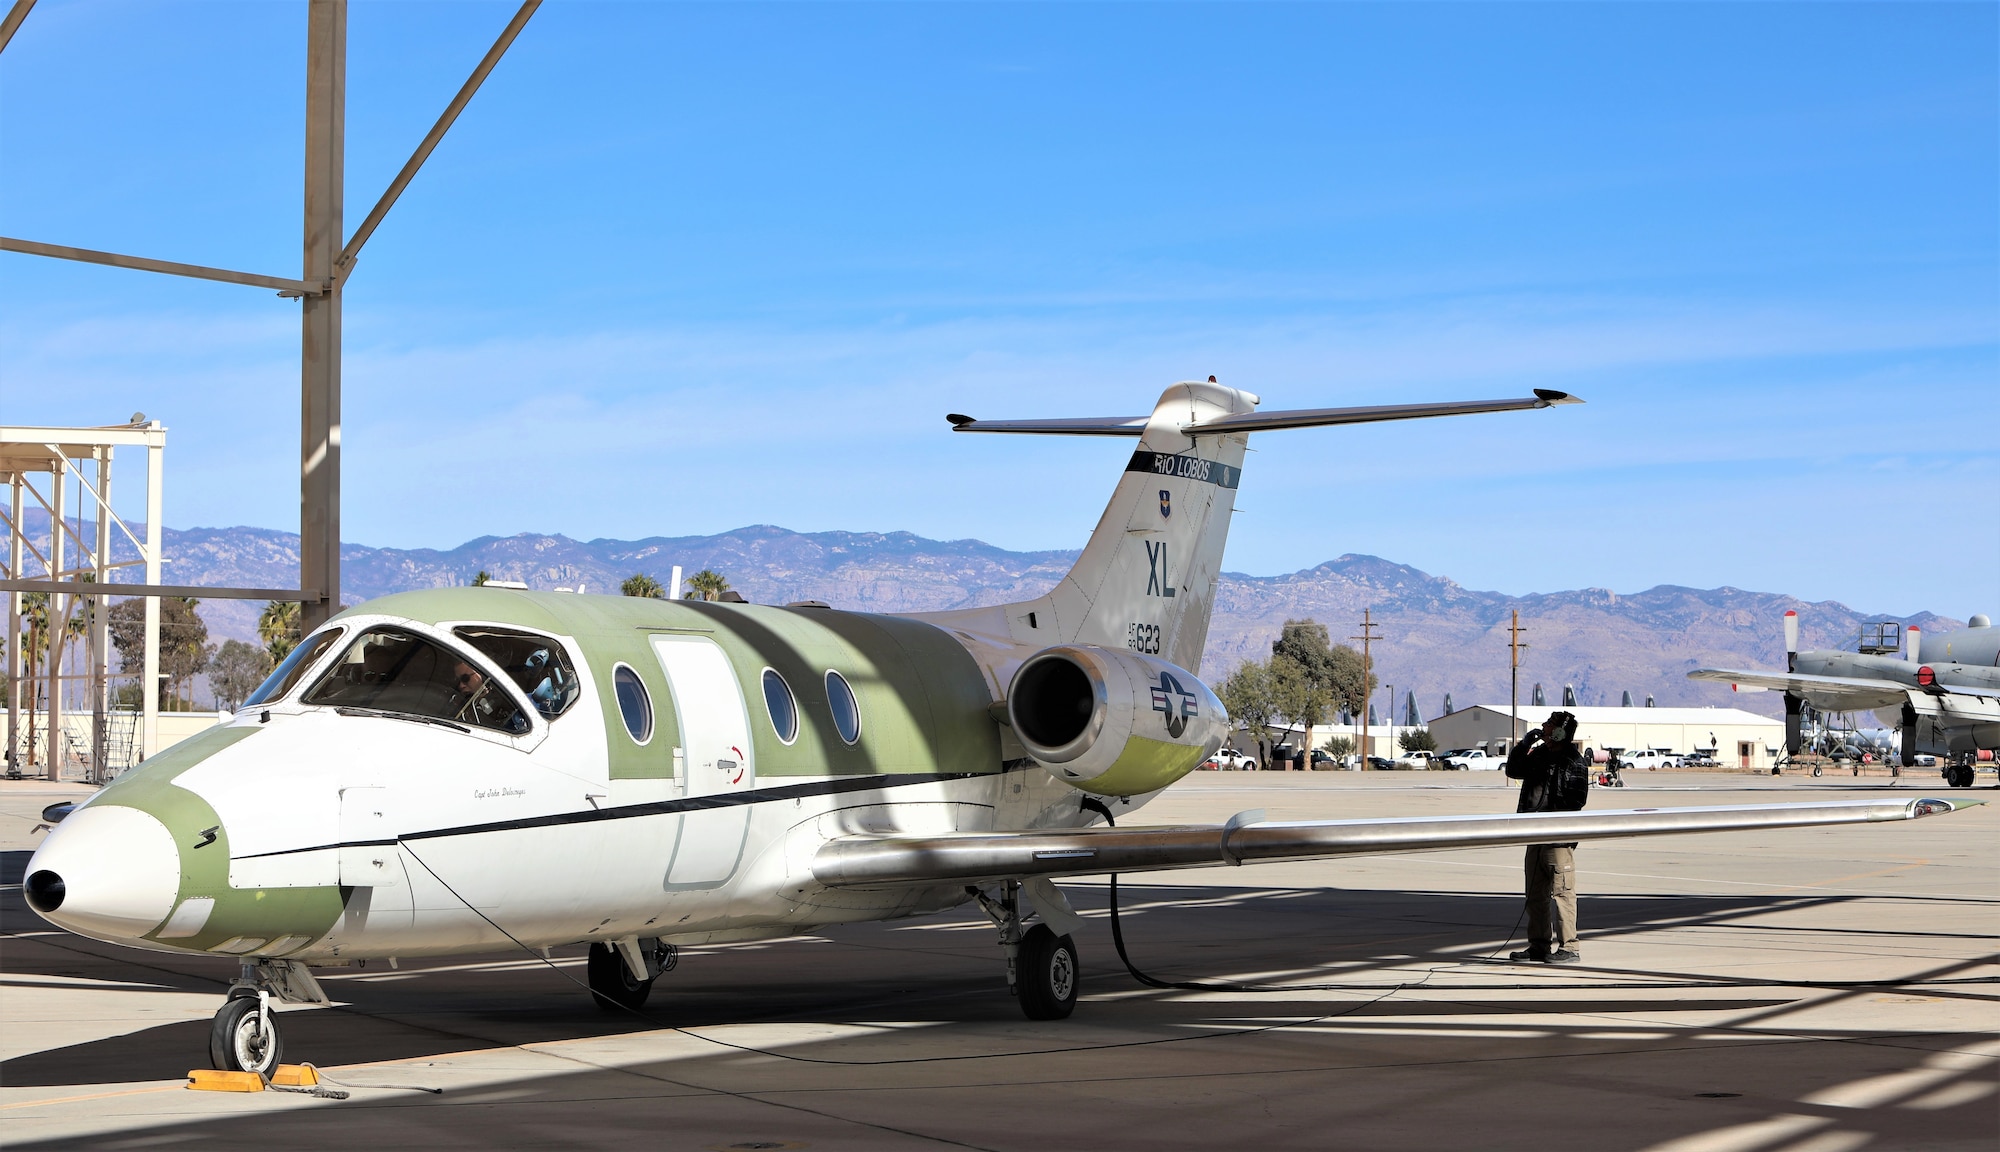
{"x": 1112, "y": 722}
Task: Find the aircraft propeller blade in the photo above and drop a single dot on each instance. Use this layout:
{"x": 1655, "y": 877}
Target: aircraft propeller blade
{"x": 1791, "y": 640}
{"x": 1794, "y": 736}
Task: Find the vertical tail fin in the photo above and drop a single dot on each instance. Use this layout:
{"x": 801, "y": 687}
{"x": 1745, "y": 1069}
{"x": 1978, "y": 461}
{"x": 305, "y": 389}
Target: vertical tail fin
{"x": 1146, "y": 580}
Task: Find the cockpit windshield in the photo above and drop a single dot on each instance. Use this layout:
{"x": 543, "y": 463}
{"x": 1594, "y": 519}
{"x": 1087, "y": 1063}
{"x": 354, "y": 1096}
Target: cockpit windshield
{"x": 393, "y": 670}
{"x": 286, "y": 675}
{"x": 537, "y": 664}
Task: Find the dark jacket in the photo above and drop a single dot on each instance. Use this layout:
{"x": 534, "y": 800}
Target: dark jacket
{"x": 1536, "y": 763}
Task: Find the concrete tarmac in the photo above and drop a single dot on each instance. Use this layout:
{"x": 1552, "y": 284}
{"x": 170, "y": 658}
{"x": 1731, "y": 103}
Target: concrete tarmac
{"x": 1815, "y": 990}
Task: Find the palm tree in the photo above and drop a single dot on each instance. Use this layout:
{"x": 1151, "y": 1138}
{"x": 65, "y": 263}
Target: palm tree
{"x": 36, "y": 647}
{"x": 278, "y": 628}
{"x": 643, "y": 586}
{"x": 480, "y": 580}
{"x": 707, "y": 584}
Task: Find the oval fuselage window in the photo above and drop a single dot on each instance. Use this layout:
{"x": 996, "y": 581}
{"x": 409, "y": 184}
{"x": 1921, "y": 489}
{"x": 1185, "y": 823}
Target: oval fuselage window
{"x": 784, "y": 710}
{"x": 633, "y": 703}
{"x": 846, "y": 713}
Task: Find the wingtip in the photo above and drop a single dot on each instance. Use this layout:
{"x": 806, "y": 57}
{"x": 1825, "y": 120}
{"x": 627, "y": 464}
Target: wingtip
{"x": 1553, "y": 397}
{"x": 958, "y": 419}
{"x": 1935, "y": 806}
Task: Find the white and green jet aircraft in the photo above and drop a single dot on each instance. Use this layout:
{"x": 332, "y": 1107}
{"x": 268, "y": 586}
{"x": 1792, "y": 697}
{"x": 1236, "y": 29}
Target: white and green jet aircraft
{"x": 466, "y": 769}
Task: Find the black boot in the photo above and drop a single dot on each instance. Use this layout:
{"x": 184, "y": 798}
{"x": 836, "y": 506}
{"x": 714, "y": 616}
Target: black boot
{"x": 1530, "y": 955}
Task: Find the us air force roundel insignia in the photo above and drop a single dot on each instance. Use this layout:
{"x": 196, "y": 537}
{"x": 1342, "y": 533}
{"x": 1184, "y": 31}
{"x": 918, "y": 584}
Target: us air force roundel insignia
{"x": 1176, "y": 702}
{"x": 1166, "y": 504}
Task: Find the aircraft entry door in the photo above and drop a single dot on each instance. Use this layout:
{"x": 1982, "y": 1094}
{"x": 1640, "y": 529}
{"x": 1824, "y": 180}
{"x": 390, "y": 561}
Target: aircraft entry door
{"x": 716, "y": 754}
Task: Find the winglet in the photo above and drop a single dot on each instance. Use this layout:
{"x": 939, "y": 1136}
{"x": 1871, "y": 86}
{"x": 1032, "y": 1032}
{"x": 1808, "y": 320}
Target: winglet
{"x": 1555, "y": 397}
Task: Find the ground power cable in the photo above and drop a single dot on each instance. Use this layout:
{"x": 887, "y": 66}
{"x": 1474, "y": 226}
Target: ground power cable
{"x": 1683, "y": 979}
{"x": 1118, "y": 942}
{"x": 684, "y": 1031}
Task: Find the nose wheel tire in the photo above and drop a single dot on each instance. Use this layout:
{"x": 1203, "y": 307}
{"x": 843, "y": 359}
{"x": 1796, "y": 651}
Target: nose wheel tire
{"x": 612, "y": 982}
{"x": 244, "y": 1039}
{"x": 1048, "y": 974}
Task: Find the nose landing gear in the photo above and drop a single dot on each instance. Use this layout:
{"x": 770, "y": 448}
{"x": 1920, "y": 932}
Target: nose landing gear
{"x": 244, "y": 1035}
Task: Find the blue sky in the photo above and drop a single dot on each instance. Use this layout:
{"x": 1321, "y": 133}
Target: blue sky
{"x": 686, "y": 267}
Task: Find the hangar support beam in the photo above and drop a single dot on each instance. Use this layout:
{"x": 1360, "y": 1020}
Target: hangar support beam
{"x": 326, "y": 264}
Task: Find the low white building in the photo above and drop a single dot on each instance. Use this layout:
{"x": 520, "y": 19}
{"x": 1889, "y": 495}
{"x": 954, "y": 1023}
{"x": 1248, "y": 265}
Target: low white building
{"x": 1740, "y": 739}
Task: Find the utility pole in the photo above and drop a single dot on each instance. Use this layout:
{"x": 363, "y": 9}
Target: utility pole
{"x": 1514, "y": 647}
{"x": 1367, "y": 638}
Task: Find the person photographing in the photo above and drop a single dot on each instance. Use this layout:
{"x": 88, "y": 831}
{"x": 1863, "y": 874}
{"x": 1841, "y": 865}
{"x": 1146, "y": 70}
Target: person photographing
{"x": 1553, "y": 779}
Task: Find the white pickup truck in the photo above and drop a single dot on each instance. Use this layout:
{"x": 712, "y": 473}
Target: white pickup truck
{"x": 1472, "y": 760}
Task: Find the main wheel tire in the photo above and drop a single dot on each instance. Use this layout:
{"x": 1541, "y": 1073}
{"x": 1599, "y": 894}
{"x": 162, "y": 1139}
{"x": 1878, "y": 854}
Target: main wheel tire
{"x": 238, "y": 1040}
{"x": 1048, "y": 974}
{"x": 612, "y": 985}
{"x": 1816, "y": 771}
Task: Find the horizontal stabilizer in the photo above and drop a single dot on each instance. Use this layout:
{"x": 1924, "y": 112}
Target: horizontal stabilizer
{"x": 870, "y": 861}
{"x": 1264, "y": 421}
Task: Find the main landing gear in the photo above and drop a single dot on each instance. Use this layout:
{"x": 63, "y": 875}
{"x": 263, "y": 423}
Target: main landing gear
{"x": 614, "y": 971}
{"x": 1042, "y": 968}
{"x": 244, "y": 1035}
{"x": 1960, "y": 773}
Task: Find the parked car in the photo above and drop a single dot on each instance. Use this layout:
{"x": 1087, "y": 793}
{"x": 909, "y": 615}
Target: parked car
{"x": 1322, "y": 760}
{"x": 1651, "y": 759}
{"x": 1381, "y": 764}
{"x": 1415, "y": 760}
{"x": 1475, "y": 759}
{"x": 1230, "y": 760}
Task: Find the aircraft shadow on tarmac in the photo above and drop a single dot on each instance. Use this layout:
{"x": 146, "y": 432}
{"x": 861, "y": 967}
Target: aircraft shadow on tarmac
{"x": 939, "y": 969}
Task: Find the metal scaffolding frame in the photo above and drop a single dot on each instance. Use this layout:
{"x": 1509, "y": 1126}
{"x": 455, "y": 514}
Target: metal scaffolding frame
{"x": 326, "y": 264}
{"x": 78, "y": 556}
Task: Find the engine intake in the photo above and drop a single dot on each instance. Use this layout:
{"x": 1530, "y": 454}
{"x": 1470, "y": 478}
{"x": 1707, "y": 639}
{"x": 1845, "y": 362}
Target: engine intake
{"x": 1111, "y": 722}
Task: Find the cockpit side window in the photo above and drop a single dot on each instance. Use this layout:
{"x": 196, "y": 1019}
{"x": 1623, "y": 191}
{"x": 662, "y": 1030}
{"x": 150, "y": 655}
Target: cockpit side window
{"x": 537, "y": 664}
{"x": 393, "y": 670}
{"x": 286, "y": 675}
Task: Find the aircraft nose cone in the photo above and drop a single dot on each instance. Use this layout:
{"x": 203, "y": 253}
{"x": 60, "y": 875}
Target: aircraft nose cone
{"x": 106, "y": 872}
{"x": 45, "y": 891}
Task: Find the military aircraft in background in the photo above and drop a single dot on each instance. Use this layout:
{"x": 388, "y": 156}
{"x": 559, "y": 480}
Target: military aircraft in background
{"x": 1942, "y": 694}
{"x": 461, "y": 770}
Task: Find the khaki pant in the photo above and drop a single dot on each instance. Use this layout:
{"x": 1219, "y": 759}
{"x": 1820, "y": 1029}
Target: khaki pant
{"x": 1551, "y": 876}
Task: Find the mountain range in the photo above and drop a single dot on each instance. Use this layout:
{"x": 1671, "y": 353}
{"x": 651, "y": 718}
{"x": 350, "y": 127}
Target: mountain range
{"x": 1434, "y": 636}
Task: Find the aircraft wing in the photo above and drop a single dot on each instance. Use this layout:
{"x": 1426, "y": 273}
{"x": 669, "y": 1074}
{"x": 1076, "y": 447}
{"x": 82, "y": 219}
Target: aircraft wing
{"x": 1843, "y": 692}
{"x": 971, "y": 857}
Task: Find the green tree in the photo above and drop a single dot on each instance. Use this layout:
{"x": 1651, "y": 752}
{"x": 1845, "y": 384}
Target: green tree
{"x": 1352, "y": 683}
{"x": 1417, "y": 740}
{"x": 278, "y": 628}
{"x": 707, "y": 584}
{"x": 236, "y": 671}
{"x": 1339, "y": 746}
{"x": 643, "y": 586}
{"x": 1247, "y": 695}
{"x": 184, "y": 647}
{"x": 480, "y": 580}
{"x": 1304, "y": 675}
